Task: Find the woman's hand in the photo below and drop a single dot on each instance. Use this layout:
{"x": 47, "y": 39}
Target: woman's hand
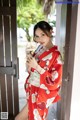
{"x": 31, "y": 62}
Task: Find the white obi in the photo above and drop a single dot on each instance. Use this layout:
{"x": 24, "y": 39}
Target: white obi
{"x": 34, "y": 78}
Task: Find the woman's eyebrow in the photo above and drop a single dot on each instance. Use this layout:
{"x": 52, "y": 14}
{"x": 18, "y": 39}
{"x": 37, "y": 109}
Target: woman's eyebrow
{"x": 36, "y": 35}
{"x": 40, "y": 33}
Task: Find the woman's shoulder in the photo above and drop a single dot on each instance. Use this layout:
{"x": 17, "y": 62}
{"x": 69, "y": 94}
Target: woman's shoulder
{"x": 56, "y": 49}
{"x": 59, "y": 55}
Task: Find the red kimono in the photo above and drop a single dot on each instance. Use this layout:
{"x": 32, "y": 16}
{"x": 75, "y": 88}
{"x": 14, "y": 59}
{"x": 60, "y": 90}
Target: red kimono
{"x": 43, "y": 89}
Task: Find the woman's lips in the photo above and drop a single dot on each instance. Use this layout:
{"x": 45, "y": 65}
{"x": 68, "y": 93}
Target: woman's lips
{"x": 42, "y": 42}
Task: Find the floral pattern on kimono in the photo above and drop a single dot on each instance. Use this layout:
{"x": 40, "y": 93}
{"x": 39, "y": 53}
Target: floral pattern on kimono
{"x": 43, "y": 89}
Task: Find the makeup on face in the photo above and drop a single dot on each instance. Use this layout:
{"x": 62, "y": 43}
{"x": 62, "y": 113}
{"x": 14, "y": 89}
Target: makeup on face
{"x": 40, "y": 36}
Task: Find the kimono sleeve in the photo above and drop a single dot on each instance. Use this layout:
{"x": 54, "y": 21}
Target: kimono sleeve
{"x": 50, "y": 82}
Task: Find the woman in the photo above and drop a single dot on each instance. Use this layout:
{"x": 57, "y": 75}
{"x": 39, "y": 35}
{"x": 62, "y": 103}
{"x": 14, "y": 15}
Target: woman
{"x": 45, "y": 75}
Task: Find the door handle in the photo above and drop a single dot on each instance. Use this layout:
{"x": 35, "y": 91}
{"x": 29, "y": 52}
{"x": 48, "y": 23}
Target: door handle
{"x": 7, "y": 70}
{"x": 11, "y": 70}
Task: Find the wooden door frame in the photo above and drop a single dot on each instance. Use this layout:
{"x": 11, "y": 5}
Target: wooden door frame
{"x": 9, "y": 99}
{"x": 67, "y": 35}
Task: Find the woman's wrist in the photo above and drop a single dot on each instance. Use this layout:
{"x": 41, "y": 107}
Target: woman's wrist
{"x": 40, "y": 69}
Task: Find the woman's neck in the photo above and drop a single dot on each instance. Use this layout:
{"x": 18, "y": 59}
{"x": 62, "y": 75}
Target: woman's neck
{"x": 50, "y": 45}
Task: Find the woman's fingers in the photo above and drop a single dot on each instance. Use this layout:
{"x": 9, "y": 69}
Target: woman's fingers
{"x": 29, "y": 59}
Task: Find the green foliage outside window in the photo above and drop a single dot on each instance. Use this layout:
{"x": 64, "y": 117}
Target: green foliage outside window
{"x": 28, "y": 12}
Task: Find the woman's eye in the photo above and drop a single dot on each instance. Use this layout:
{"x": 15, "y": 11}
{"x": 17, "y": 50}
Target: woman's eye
{"x": 43, "y": 34}
{"x": 36, "y": 36}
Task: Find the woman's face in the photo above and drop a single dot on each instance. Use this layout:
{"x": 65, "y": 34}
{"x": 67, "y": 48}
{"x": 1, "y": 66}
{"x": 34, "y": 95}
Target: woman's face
{"x": 41, "y": 37}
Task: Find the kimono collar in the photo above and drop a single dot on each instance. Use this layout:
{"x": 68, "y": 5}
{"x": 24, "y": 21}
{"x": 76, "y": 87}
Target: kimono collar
{"x": 48, "y": 52}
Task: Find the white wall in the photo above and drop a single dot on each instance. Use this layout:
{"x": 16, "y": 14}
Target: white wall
{"x": 58, "y": 21}
{"x": 75, "y": 101}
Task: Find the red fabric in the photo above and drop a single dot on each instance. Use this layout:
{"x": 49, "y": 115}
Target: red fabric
{"x": 48, "y": 89}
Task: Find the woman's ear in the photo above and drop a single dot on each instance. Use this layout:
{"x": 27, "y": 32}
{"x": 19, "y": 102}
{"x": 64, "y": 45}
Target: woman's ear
{"x": 51, "y": 32}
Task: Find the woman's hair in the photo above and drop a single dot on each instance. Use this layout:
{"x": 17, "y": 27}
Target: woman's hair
{"x": 44, "y": 26}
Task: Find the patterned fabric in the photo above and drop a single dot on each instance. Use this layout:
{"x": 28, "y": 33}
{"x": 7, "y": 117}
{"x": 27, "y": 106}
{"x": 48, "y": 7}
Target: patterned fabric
{"x": 43, "y": 89}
